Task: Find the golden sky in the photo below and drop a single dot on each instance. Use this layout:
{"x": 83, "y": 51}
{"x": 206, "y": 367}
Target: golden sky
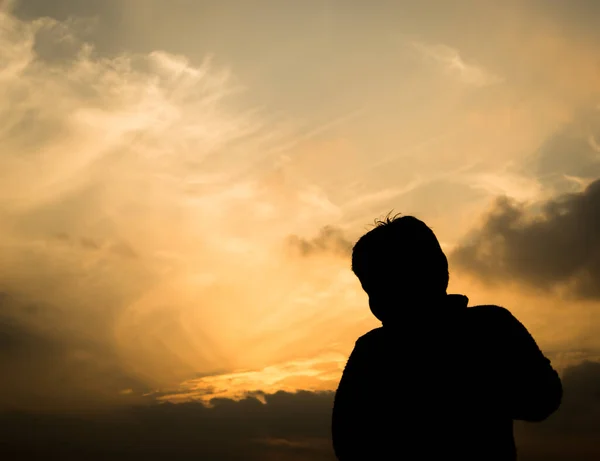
{"x": 180, "y": 181}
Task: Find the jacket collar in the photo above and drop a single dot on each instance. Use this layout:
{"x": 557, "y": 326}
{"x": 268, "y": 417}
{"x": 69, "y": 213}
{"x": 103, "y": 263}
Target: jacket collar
{"x": 449, "y": 304}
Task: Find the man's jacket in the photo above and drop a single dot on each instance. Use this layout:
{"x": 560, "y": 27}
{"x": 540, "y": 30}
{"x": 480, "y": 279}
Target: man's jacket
{"x": 444, "y": 384}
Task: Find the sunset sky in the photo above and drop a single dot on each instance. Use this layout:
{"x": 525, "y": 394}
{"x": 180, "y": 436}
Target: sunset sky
{"x": 181, "y": 183}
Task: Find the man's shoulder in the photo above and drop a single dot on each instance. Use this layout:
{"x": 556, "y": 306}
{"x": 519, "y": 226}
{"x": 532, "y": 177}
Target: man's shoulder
{"x": 374, "y": 335}
{"x": 491, "y": 311}
{"x": 493, "y": 316}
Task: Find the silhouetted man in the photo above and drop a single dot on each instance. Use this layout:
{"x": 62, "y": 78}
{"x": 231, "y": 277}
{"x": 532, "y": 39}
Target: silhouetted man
{"x": 438, "y": 381}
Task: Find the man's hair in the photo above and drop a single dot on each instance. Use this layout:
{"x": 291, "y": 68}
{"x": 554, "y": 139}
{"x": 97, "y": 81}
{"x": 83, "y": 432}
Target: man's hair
{"x": 400, "y": 256}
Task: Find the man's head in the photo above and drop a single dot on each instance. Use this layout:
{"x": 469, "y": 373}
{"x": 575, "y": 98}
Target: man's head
{"x": 400, "y": 259}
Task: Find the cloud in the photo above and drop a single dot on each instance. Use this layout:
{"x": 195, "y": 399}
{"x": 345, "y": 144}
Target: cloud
{"x": 46, "y": 370}
{"x": 452, "y": 63}
{"x": 316, "y": 374}
{"x": 284, "y": 426}
{"x": 568, "y": 158}
{"x": 552, "y": 243}
{"x": 581, "y": 412}
{"x": 329, "y": 240}
{"x": 370, "y": 199}
{"x": 505, "y": 183}
{"x": 90, "y": 148}
{"x": 570, "y": 433}
{"x": 141, "y": 224}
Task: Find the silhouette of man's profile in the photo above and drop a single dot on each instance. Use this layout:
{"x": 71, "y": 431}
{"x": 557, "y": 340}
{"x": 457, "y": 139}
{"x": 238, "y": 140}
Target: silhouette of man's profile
{"x": 438, "y": 380}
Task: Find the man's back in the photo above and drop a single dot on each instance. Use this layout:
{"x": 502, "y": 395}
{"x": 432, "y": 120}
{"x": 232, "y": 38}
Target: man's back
{"x": 446, "y": 383}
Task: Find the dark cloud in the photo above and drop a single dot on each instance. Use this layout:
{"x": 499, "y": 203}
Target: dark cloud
{"x": 556, "y": 242}
{"x": 572, "y": 152}
{"x": 43, "y": 368}
{"x": 287, "y": 427}
{"x": 118, "y": 248}
{"x": 571, "y": 433}
{"x": 329, "y": 240}
{"x": 101, "y": 16}
{"x": 581, "y": 413}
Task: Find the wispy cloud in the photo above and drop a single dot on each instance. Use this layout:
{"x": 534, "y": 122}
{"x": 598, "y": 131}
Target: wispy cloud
{"x": 127, "y": 228}
{"x": 514, "y": 241}
{"x": 329, "y": 240}
{"x": 315, "y": 374}
{"x": 505, "y": 183}
{"x": 594, "y": 144}
{"x": 381, "y": 195}
{"x": 452, "y": 63}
